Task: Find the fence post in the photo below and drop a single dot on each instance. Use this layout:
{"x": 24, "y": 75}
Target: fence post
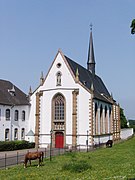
{"x": 45, "y": 153}
{"x": 17, "y": 157}
{"x": 51, "y": 145}
{"x": 5, "y": 159}
{"x": 87, "y": 140}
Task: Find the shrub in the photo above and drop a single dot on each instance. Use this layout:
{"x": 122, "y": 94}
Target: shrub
{"x": 76, "y": 166}
{"x": 15, "y": 145}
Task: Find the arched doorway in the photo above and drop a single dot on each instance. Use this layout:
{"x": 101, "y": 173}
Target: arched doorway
{"x": 59, "y": 140}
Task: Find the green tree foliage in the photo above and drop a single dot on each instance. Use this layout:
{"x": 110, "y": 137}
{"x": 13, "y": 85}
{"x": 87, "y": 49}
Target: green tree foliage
{"x": 132, "y": 124}
{"x": 133, "y": 26}
{"x": 123, "y": 119}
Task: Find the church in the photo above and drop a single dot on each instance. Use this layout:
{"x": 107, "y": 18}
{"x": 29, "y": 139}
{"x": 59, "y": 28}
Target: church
{"x": 72, "y": 106}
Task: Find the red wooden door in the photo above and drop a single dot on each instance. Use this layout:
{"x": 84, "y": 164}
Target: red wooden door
{"x": 59, "y": 140}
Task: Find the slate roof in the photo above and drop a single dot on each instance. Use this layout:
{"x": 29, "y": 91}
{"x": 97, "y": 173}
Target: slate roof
{"x": 86, "y": 78}
{"x": 9, "y": 97}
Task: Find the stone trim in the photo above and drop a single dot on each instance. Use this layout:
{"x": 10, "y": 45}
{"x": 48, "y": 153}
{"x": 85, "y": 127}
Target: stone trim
{"x": 74, "y": 117}
{"x": 116, "y": 122}
{"x": 91, "y": 110}
{"x": 37, "y": 126}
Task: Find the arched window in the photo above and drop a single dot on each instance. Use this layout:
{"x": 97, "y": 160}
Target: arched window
{"x": 23, "y": 115}
{"x": 105, "y": 111}
{"x": 110, "y": 119}
{"x": 58, "y": 79}
{"x": 16, "y": 115}
{"x": 6, "y": 134}
{"x": 16, "y": 134}
{"x": 23, "y": 133}
{"x": 0, "y": 114}
{"x": 110, "y": 112}
{"x": 59, "y": 107}
{"x": 7, "y": 114}
{"x": 101, "y": 119}
{"x": 106, "y": 120}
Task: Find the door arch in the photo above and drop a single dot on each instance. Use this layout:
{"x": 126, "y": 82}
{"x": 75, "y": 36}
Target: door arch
{"x": 59, "y": 140}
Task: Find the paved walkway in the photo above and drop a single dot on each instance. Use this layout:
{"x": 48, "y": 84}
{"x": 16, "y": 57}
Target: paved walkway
{"x": 20, "y": 152}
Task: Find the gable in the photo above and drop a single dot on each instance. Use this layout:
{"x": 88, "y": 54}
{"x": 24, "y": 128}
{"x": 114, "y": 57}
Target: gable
{"x": 59, "y": 66}
{"x": 67, "y": 68}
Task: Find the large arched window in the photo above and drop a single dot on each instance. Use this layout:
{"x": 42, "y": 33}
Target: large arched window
{"x": 7, "y": 114}
{"x": 58, "y": 102}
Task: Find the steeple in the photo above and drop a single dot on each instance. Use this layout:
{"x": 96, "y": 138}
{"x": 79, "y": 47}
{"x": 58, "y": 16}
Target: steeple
{"x": 91, "y": 59}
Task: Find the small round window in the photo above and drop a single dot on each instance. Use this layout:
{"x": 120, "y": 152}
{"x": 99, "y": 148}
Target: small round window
{"x": 58, "y": 65}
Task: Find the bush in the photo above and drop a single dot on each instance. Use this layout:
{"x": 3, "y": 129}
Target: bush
{"x": 76, "y": 166}
{"x": 15, "y": 145}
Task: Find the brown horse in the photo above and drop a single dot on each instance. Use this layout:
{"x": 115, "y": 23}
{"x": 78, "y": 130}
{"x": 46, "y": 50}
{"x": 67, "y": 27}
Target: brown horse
{"x": 32, "y": 156}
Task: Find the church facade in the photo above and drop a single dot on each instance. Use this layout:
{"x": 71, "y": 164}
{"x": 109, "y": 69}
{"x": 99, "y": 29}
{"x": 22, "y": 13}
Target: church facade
{"x": 73, "y": 106}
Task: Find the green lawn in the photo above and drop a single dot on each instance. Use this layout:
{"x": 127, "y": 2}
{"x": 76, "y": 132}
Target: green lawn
{"x": 116, "y": 163}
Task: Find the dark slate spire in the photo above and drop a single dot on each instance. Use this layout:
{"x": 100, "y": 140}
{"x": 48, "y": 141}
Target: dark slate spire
{"x": 91, "y": 59}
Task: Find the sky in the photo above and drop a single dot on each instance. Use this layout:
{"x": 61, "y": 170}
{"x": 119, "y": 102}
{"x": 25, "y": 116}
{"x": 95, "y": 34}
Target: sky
{"x": 32, "y": 31}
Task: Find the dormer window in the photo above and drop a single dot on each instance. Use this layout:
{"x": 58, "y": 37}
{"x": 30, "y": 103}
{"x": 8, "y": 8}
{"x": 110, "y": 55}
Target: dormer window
{"x": 58, "y": 79}
{"x": 84, "y": 82}
{"x": 12, "y": 91}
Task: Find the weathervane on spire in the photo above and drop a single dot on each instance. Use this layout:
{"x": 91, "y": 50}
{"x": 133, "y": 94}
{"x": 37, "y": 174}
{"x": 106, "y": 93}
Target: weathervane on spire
{"x": 91, "y": 26}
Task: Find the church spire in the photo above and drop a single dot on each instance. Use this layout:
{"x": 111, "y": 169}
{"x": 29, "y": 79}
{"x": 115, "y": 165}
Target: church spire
{"x": 91, "y": 59}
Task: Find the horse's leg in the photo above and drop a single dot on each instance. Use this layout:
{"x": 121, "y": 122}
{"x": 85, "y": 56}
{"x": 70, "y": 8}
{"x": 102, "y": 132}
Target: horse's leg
{"x": 39, "y": 162}
{"x": 25, "y": 163}
{"x": 30, "y": 161}
{"x": 42, "y": 156}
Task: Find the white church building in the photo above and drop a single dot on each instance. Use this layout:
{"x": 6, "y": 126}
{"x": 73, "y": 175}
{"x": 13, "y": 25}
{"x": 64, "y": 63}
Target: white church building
{"x": 73, "y": 105}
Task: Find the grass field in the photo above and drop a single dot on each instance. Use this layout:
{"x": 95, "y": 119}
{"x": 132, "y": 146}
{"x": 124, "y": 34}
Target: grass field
{"x": 116, "y": 163}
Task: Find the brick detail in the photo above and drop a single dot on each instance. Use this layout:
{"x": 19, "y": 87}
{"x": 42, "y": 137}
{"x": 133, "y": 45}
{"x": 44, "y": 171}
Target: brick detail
{"x": 90, "y": 132}
{"x": 74, "y": 117}
{"x": 37, "y": 126}
{"x": 116, "y": 122}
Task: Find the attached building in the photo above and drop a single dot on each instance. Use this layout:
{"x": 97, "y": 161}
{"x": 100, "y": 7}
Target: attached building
{"x": 14, "y": 112}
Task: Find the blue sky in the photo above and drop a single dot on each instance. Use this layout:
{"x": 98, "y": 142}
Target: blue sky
{"x": 32, "y": 31}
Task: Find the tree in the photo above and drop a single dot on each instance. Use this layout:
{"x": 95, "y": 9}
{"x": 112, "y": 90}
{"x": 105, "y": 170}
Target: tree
{"x": 133, "y": 26}
{"x": 123, "y": 119}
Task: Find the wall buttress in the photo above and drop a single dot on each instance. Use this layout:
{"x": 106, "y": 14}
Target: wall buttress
{"x": 37, "y": 126}
{"x": 74, "y": 118}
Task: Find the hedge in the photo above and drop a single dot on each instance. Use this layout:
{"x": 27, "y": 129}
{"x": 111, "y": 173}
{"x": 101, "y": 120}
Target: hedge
{"x": 15, "y": 145}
